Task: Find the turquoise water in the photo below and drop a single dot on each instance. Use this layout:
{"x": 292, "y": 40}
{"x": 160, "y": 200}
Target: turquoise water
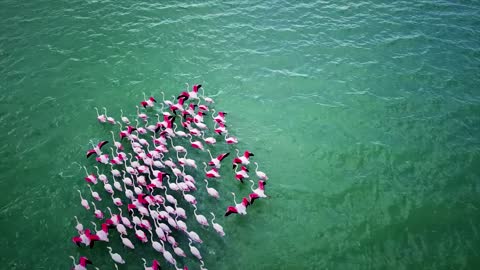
{"x": 364, "y": 115}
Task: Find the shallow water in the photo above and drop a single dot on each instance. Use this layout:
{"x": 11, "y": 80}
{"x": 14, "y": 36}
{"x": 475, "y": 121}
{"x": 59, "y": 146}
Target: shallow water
{"x": 365, "y": 116}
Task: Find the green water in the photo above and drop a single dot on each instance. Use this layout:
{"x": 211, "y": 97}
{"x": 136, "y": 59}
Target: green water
{"x": 365, "y": 116}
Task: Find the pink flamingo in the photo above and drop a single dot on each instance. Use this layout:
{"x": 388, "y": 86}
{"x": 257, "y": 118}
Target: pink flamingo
{"x": 231, "y": 139}
{"x": 241, "y": 174}
{"x": 239, "y": 208}
{"x": 148, "y": 102}
{"x": 258, "y": 192}
{"x": 118, "y": 145}
{"x": 155, "y": 265}
{"x": 101, "y": 117}
{"x": 244, "y": 160}
{"x": 95, "y": 194}
{"x": 196, "y": 144}
{"x": 193, "y": 94}
{"x": 82, "y": 263}
{"x": 96, "y": 149}
{"x": 124, "y": 119}
{"x": 98, "y": 213}
{"x": 141, "y": 115}
{"x": 216, "y": 161}
{"x": 213, "y": 173}
{"x": 90, "y": 178}
{"x": 208, "y": 140}
{"x": 109, "y": 119}
{"x": 220, "y": 118}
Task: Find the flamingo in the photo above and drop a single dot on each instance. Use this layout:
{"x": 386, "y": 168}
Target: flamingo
{"x": 179, "y": 252}
{"x": 104, "y": 159}
{"x": 211, "y": 191}
{"x": 196, "y": 144}
{"x": 98, "y": 213}
{"x": 178, "y": 106}
{"x": 213, "y": 173}
{"x": 126, "y": 242}
{"x": 218, "y": 228}
{"x": 181, "y": 225}
{"x": 79, "y": 226}
{"x": 166, "y": 102}
{"x": 194, "y": 250}
{"x": 115, "y": 256}
{"x": 103, "y": 233}
{"x": 90, "y": 178}
{"x": 220, "y": 118}
{"x": 208, "y": 140}
{"x": 260, "y": 174}
{"x": 194, "y": 236}
{"x": 216, "y": 161}
{"x": 83, "y": 201}
{"x": 155, "y": 265}
{"x": 189, "y": 198}
{"x": 192, "y": 95}
{"x": 96, "y": 149}
{"x": 115, "y": 172}
{"x": 258, "y": 192}
{"x": 231, "y": 139}
{"x": 95, "y": 194}
{"x": 239, "y": 208}
{"x": 207, "y": 99}
{"x": 199, "y": 117}
{"x": 179, "y": 133}
{"x": 124, "y": 220}
{"x": 148, "y": 102}
{"x": 168, "y": 256}
{"x": 101, "y": 117}
{"x": 82, "y": 263}
{"x": 124, "y": 119}
{"x": 102, "y": 177}
{"x": 117, "y": 201}
{"x": 178, "y": 148}
{"x": 200, "y": 218}
{"x": 109, "y": 119}
{"x": 141, "y": 115}
{"x": 121, "y": 229}
{"x": 240, "y": 175}
{"x": 140, "y": 235}
{"x": 220, "y": 129}
{"x": 199, "y": 124}
{"x": 118, "y": 145}
{"x": 155, "y": 244}
{"x": 244, "y": 160}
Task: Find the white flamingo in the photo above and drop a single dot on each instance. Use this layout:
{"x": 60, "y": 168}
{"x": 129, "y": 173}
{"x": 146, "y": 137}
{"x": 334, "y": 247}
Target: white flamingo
{"x": 200, "y": 218}
{"x": 194, "y": 250}
{"x": 211, "y": 191}
{"x": 218, "y": 228}
{"x": 115, "y": 256}
{"x": 83, "y": 201}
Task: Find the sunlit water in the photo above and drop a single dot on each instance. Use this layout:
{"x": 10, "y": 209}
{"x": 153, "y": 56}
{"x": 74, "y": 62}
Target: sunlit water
{"x": 365, "y": 115}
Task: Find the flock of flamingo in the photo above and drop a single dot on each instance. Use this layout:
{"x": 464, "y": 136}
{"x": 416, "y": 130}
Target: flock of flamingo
{"x": 152, "y": 180}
